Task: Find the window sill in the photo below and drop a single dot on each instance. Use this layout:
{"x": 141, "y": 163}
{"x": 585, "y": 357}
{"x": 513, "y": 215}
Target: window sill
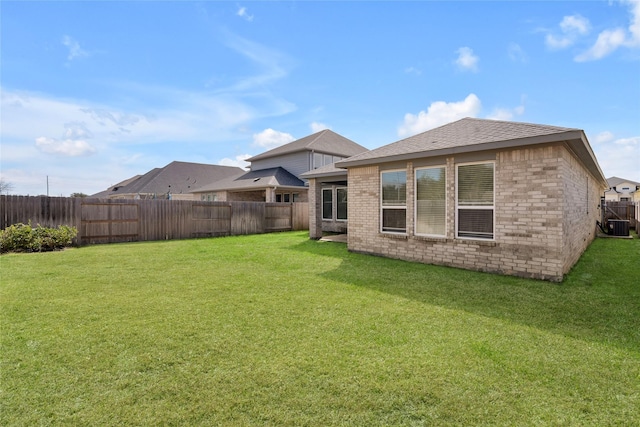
{"x": 432, "y": 239}
{"x": 397, "y": 236}
{"x": 489, "y": 243}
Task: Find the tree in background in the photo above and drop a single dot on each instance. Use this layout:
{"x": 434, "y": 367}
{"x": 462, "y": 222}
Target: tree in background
{"x": 78, "y": 195}
{"x": 5, "y": 187}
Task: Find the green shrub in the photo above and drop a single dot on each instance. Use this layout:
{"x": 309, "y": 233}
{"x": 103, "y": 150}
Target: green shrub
{"x": 25, "y": 238}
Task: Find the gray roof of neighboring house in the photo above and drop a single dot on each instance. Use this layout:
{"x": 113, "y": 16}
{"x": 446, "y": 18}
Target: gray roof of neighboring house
{"x": 109, "y": 190}
{"x": 325, "y": 141}
{"x": 325, "y": 172}
{"x": 469, "y": 135}
{"x": 254, "y": 180}
{"x": 176, "y": 177}
{"x": 615, "y": 181}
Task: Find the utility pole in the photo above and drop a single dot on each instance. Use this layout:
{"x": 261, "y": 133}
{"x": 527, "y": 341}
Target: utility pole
{"x": 47, "y": 185}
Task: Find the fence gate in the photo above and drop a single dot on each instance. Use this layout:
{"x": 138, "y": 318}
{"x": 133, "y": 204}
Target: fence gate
{"x": 106, "y": 221}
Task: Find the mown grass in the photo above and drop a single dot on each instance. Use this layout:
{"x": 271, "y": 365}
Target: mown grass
{"x": 281, "y": 330}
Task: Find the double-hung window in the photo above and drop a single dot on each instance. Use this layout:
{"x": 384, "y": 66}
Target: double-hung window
{"x": 334, "y": 203}
{"x": 475, "y": 200}
{"x": 431, "y": 209}
{"x": 394, "y": 201}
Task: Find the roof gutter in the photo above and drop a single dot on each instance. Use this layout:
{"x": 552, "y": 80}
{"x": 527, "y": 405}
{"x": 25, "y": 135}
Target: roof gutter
{"x": 494, "y": 145}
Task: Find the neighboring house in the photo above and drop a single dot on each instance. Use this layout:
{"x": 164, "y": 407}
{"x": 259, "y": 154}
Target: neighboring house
{"x": 278, "y": 175}
{"x": 174, "y": 181}
{"x": 622, "y": 190}
{"x": 511, "y": 198}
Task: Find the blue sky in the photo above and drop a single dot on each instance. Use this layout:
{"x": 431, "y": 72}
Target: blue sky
{"x": 96, "y": 92}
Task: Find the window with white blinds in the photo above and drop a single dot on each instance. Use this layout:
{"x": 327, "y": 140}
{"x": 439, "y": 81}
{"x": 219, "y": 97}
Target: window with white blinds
{"x": 475, "y": 200}
{"x": 394, "y": 201}
{"x": 431, "y": 210}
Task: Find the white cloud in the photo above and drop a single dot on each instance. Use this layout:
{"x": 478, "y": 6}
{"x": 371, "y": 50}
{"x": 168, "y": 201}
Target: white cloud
{"x": 508, "y": 113}
{"x": 607, "y": 42}
{"x": 602, "y": 137}
{"x": 571, "y": 27}
{"x": 413, "y": 70}
{"x": 238, "y": 161}
{"x": 439, "y": 113}
{"x": 242, "y": 12}
{"x": 273, "y": 64}
{"x": 618, "y": 157}
{"x": 270, "y": 138}
{"x": 466, "y": 60}
{"x": 501, "y": 114}
{"x": 516, "y": 53}
{"x": 634, "y": 26}
{"x": 555, "y": 42}
{"x": 75, "y": 51}
{"x": 317, "y": 127}
{"x": 67, "y": 147}
{"x": 70, "y": 129}
{"x": 575, "y": 24}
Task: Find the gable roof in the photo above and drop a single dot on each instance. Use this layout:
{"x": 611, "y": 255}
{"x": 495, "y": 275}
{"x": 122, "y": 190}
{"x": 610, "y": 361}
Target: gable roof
{"x": 615, "y": 181}
{"x": 115, "y": 187}
{"x": 253, "y": 180}
{"x": 469, "y": 135}
{"x": 325, "y": 141}
{"x": 176, "y": 177}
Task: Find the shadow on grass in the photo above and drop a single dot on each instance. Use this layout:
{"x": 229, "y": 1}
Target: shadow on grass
{"x": 599, "y": 299}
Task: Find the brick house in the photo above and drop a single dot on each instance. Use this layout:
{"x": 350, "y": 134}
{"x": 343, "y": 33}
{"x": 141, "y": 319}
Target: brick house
{"x": 174, "y": 181}
{"x": 277, "y": 175}
{"x": 504, "y": 197}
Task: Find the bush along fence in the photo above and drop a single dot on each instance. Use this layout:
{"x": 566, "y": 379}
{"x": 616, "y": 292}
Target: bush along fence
{"x": 129, "y": 220}
{"x": 25, "y": 238}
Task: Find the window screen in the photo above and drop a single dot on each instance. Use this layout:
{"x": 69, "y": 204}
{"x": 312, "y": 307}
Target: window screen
{"x": 394, "y": 201}
{"x": 475, "y": 201}
{"x": 431, "y": 201}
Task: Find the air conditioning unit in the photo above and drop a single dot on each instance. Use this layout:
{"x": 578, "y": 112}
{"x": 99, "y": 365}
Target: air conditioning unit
{"x": 618, "y": 227}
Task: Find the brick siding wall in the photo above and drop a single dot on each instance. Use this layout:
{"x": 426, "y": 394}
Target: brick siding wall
{"x": 581, "y": 209}
{"x": 538, "y": 233}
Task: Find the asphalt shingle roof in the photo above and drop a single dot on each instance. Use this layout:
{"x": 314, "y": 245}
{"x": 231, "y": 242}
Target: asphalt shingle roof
{"x": 272, "y": 177}
{"x": 325, "y": 171}
{"x": 177, "y": 177}
{"x": 615, "y": 181}
{"x": 468, "y": 134}
{"x": 325, "y": 141}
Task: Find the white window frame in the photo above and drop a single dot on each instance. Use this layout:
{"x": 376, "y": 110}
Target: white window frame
{"x": 395, "y": 207}
{"x": 477, "y": 207}
{"x": 415, "y": 201}
{"x": 333, "y": 190}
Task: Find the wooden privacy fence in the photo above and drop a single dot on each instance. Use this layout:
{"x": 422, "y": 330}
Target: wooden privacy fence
{"x": 128, "y": 220}
{"x": 620, "y": 210}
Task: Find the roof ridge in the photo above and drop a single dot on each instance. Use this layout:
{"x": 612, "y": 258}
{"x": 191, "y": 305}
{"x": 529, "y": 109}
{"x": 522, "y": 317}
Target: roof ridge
{"x": 512, "y": 122}
{"x": 319, "y": 135}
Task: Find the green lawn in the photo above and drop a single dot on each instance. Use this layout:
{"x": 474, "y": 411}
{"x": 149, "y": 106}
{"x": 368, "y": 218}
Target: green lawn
{"x": 281, "y": 330}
